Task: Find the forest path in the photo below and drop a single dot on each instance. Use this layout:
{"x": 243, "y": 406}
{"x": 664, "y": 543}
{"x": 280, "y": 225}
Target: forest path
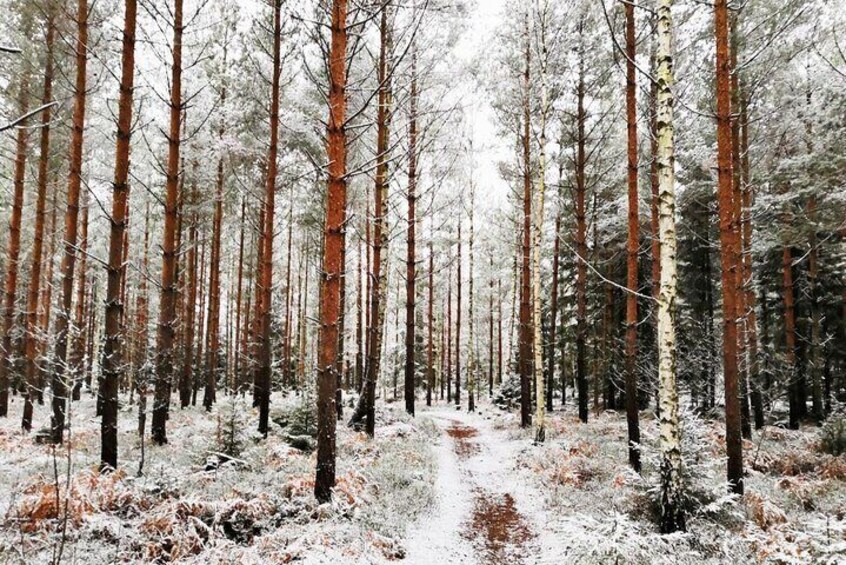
{"x": 485, "y": 511}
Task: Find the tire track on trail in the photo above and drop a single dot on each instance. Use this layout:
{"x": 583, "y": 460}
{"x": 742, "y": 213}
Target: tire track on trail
{"x": 478, "y": 519}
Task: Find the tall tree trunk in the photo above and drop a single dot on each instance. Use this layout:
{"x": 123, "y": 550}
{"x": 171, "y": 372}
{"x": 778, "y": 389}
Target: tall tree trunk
{"x": 330, "y": 305}
{"x": 813, "y": 286}
{"x": 365, "y": 410}
{"x": 239, "y": 300}
{"x": 729, "y": 240}
{"x": 449, "y": 335}
{"x": 430, "y": 353}
{"x": 255, "y": 328}
{"x": 286, "y": 344}
{"x": 167, "y": 310}
{"x": 748, "y": 277}
{"x": 264, "y": 361}
{"x": 47, "y": 303}
{"x": 537, "y": 345}
{"x": 113, "y": 367}
{"x": 581, "y": 243}
{"x": 359, "y": 320}
{"x": 526, "y": 333}
{"x": 632, "y": 416}
{"x": 737, "y": 196}
{"x": 411, "y": 247}
{"x": 672, "y": 511}
{"x": 186, "y": 377}
{"x": 472, "y": 360}
{"x": 790, "y": 335}
{"x": 213, "y": 332}
{"x": 71, "y": 222}
{"x": 553, "y": 314}
{"x": 76, "y": 364}
{"x": 14, "y": 247}
{"x": 30, "y": 336}
{"x": 458, "y": 280}
{"x": 141, "y": 338}
{"x": 499, "y": 335}
{"x": 491, "y": 330}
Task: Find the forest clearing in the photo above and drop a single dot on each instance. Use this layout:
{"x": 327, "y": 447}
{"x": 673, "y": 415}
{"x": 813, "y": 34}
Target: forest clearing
{"x": 423, "y": 281}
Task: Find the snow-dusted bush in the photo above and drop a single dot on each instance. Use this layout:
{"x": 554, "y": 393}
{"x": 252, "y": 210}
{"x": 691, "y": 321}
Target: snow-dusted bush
{"x": 232, "y": 426}
{"x": 833, "y": 436}
{"x": 508, "y": 394}
{"x": 705, "y": 493}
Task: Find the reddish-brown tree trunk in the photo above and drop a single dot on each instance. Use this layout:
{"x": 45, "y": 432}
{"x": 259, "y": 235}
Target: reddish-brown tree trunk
{"x": 790, "y": 335}
{"x": 213, "y": 333}
{"x": 167, "y": 308}
{"x": 14, "y": 244}
{"x": 365, "y": 410}
{"x": 729, "y": 247}
{"x": 141, "y": 337}
{"x": 633, "y": 243}
{"x": 264, "y": 357}
{"x": 737, "y": 195}
{"x": 330, "y": 306}
{"x": 112, "y": 348}
{"x": 71, "y": 222}
{"x": 30, "y": 337}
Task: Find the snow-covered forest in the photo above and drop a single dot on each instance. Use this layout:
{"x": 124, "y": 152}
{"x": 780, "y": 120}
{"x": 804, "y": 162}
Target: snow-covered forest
{"x": 423, "y": 281}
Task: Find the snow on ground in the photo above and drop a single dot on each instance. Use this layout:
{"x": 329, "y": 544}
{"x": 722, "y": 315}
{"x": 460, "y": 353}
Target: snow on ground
{"x": 189, "y": 508}
{"x": 445, "y": 488}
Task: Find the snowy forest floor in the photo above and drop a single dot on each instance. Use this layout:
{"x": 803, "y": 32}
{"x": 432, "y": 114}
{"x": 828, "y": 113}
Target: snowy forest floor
{"x": 444, "y": 488}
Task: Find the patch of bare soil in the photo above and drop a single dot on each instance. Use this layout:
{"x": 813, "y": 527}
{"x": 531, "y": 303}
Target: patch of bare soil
{"x": 462, "y": 440}
{"x": 497, "y": 530}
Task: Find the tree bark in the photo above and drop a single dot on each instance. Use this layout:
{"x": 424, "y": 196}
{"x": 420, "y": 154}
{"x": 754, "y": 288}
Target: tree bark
{"x": 672, "y": 511}
{"x": 330, "y": 305}
{"x": 729, "y": 242}
{"x": 213, "y": 331}
{"x": 790, "y": 335}
{"x": 430, "y": 350}
{"x": 410, "y": 263}
{"x": 71, "y": 222}
{"x": 14, "y": 247}
{"x": 265, "y": 356}
{"x": 581, "y": 244}
{"x": 537, "y": 345}
{"x": 472, "y": 360}
{"x": 167, "y": 309}
{"x": 365, "y": 410}
{"x": 632, "y": 416}
{"x": 30, "y": 337}
{"x": 187, "y": 377}
{"x": 113, "y": 367}
{"x": 526, "y": 333}
{"x": 77, "y": 361}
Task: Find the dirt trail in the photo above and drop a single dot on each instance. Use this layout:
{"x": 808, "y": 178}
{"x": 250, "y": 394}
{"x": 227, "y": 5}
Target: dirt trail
{"x": 479, "y": 518}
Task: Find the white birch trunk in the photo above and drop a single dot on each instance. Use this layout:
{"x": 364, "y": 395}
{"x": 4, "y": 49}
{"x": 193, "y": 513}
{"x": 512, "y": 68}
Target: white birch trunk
{"x": 672, "y": 516}
{"x": 540, "y": 392}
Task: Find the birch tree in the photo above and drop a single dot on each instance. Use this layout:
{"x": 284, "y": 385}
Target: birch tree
{"x": 672, "y": 512}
